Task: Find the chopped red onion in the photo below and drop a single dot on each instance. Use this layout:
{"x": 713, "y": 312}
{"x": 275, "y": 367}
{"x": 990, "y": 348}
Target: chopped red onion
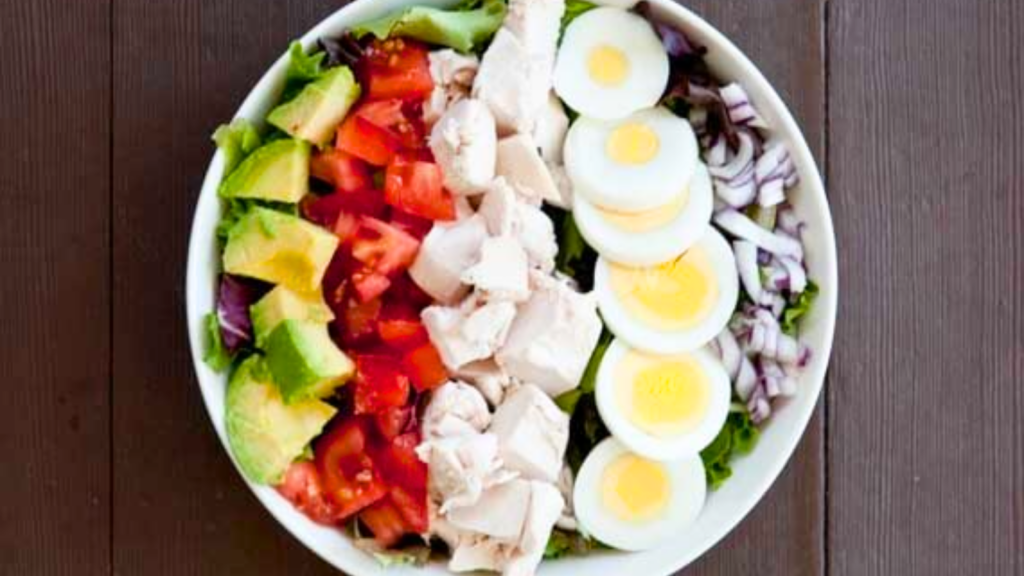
{"x": 796, "y": 274}
{"x": 758, "y": 406}
{"x": 741, "y": 111}
{"x": 729, "y": 351}
{"x": 746, "y": 379}
{"x": 788, "y": 222}
{"x": 741, "y": 161}
{"x": 742, "y": 227}
{"x": 746, "y": 265}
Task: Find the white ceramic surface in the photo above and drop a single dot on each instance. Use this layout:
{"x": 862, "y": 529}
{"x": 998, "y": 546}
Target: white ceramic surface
{"x": 752, "y": 475}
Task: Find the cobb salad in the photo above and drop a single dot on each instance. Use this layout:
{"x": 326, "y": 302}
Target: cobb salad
{"x": 505, "y": 282}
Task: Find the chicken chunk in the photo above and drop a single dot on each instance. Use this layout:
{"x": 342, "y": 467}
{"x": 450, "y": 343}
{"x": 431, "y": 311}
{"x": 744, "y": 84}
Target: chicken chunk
{"x": 537, "y": 24}
{"x": 564, "y": 185}
{"x": 552, "y": 338}
{"x": 500, "y": 513}
{"x": 502, "y": 274}
{"x": 488, "y": 378}
{"x": 532, "y": 433}
{"x": 455, "y": 408}
{"x": 537, "y": 235}
{"x": 546, "y": 505}
{"x": 446, "y": 252}
{"x": 499, "y": 209}
{"x": 464, "y": 144}
{"x": 549, "y": 133}
{"x": 453, "y": 75}
{"x": 519, "y": 162}
{"x": 461, "y": 469}
{"x": 468, "y": 333}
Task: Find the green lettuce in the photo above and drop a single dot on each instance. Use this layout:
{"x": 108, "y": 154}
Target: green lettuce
{"x": 236, "y": 140}
{"x": 464, "y": 28}
{"x": 738, "y": 436}
{"x": 563, "y": 543}
{"x": 573, "y": 9}
{"x": 216, "y": 356}
{"x": 798, "y": 308}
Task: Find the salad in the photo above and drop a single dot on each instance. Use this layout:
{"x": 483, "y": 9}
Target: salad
{"x": 505, "y": 282}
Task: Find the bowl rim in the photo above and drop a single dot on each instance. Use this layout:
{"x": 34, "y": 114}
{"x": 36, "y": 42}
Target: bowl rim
{"x": 826, "y": 305}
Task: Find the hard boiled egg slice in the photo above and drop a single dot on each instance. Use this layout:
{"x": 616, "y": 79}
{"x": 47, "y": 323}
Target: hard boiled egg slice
{"x": 634, "y": 164}
{"x": 632, "y": 503}
{"x": 677, "y": 306}
{"x": 662, "y": 407}
{"x": 652, "y": 237}
{"x": 610, "y": 64}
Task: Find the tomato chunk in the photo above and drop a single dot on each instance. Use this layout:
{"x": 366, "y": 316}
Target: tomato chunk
{"x": 380, "y": 384}
{"x": 415, "y": 226}
{"x": 397, "y": 68}
{"x": 325, "y": 210}
{"x": 425, "y": 368}
{"x": 340, "y": 169}
{"x": 385, "y": 521}
{"x": 399, "y": 464}
{"x": 348, "y": 473}
{"x": 412, "y": 505}
{"x": 392, "y": 421}
{"x": 376, "y": 131}
{"x": 382, "y": 247}
{"x": 417, "y": 187}
{"x": 368, "y": 284}
{"x": 303, "y": 487}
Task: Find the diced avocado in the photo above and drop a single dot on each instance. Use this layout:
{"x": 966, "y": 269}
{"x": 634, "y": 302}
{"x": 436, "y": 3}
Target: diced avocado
{"x": 277, "y": 171}
{"x": 280, "y": 249}
{"x": 314, "y": 114}
{"x": 265, "y": 434}
{"x": 305, "y": 362}
{"x": 282, "y": 304}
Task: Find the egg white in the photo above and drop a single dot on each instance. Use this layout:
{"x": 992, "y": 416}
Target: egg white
{"x": 642, "y": 335}
{"x": 688, "y": 493}
{"x": 611, "y": 185}
{"x": 643, "y": 442}
{"x": 630, "y": 34}
{"x": 655, "y": 246}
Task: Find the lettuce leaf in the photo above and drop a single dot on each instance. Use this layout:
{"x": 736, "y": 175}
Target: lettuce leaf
{"x": 575, "y": 258}
{"x": 465, "y": 28}
{"x": 798, "y": 308}
{"x": 738, "y": 436}
{"x": 216, "y": 356}
{"x": 563, "y": 543}
{"x": 573, "y": 9}
{"x": 236, "y": 140}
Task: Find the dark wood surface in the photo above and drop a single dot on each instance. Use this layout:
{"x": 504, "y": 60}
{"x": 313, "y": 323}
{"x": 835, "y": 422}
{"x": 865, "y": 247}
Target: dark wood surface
{"x": 913, "y": 465}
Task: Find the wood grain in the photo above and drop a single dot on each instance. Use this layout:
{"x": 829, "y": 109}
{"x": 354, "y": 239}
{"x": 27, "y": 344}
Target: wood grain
{"x": 926, "y": 451}
{"x": 54, "y": 291}
{"x": 181, "y": 68}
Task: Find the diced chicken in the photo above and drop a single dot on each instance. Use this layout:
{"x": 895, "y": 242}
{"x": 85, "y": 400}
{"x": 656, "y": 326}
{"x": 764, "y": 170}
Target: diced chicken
{"x": 532, "y": 432}
{"x": 537, "y": 235}
{"x": 453, "y": 75}
{"x": 478, "y": 552}
{"x": 565, "y": 485}
{"x": 499, "y": 513}
{"x": 464, "y": 144}
{"x": 564, "y": 185}
{"x": 519, "y": 162}
{"x": 537, "y": 24}
{"x": 545, "y": 507}
{"x": 446, "y": 252}
{"x": 499, "y": 209}
{"x": 552, "y": 338}
{"x": 455, "y": 408}
{"x": 488, "y": 378}
{"x": 513, "y": 83}
{"x": 549, "y": 133}
{"x": 502, "y": 274}
{"x": 463, "y": 208}
{"x": 462, "y": 335}
{"x": 461, "y": 469}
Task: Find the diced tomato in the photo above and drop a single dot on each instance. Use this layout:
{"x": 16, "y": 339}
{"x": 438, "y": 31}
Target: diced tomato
{"x": 368, "y": 284}
{"x": 380, "y": 384}
{"x": 340, "y": 169}
{"x": 385, "y": 521}
{"x": 404, "y": 290}
{"x": 325, "y": 210}
{"x": 392, "y": 421}
{"x": 377, "y": 131}
{"x": 382, "y": 247}
{"x": 399, "y": 464}
{"x": 417, "y": 187}
{"x": 358, "y": 320}
{"x": 397, "y": 68}
{"x": 348, "y": 474}
{"x": 303, "y": 487}
{"x": 424, "y": 366}
{"x": 416, "y": 226}
{"x": 412, "y": 505}
{"x": 400, "y": 326}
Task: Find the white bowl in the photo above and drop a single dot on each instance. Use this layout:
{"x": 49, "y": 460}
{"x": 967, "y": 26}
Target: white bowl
{"x": 752, "y": 475}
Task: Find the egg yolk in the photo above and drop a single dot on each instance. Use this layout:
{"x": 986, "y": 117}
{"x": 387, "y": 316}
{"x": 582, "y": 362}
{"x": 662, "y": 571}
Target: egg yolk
{"x": 649, "y": 219}
{"x": 676, "y": 295}
{"x": 664, "y": 396}
{"x": 635, "y": 489}
{"x": 633, "y": 144}
{"x": 608, "y": 66}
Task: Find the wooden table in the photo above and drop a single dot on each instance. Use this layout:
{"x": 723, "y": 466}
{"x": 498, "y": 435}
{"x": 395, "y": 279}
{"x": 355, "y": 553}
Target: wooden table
{"x": 913, "y": 465}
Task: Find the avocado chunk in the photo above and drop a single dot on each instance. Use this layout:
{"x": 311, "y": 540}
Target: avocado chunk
{"x": 278, "y": 171}
{"x": 305, "y": 362}
{"x": 315, "y": 113}
{"x": 279, "y": 248}
{"x": 282, "y": 304}
{"x": 264, "y": 433}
